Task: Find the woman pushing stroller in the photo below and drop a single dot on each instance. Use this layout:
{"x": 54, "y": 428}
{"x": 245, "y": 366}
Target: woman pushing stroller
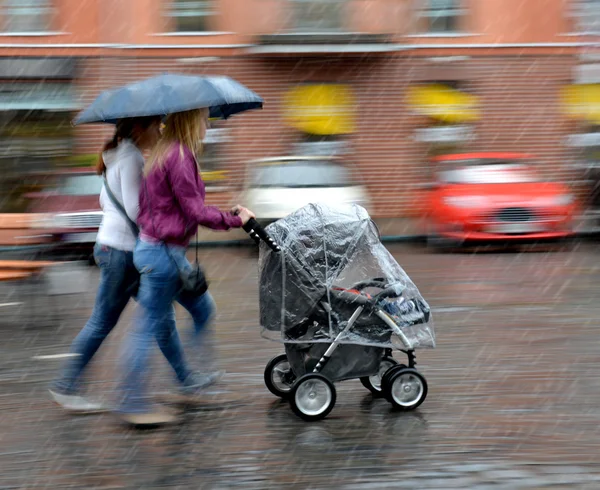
{"x": 171, "y": 209}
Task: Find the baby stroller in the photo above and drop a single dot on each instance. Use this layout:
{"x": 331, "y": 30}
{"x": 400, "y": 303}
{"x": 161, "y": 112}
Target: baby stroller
{"x": 340, "y": 304}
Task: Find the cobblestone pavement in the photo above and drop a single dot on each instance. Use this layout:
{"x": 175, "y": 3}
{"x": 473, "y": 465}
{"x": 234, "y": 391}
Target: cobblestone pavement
{"x": 514, "y": 396}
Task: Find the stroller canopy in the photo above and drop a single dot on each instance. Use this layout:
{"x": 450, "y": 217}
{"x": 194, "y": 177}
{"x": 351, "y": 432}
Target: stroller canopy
{"x": 323, "y": 247}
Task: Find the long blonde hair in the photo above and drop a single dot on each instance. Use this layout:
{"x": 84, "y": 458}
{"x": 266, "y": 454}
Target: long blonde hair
{"x": 183, "y": 128}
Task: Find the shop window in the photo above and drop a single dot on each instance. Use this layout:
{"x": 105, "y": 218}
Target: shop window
{"x": 43, "y": 96}
{"x": 32, "y": 144}
{"x": 211, "y": 153}
{"x": 212, "y": 160}
{"x": 191, "y": 15}
{"x": 440, "y": 16}
{"x": 35, "y": 136}
{"x": 586, "y": 16}
{"x": 26, "y": 15}
{"x": 317, "y": 15}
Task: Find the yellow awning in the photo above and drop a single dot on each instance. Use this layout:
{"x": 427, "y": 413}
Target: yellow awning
{"x": 441, "y": 102}
{"x": 582, "y": 102}
{"x": 327, "y": 109}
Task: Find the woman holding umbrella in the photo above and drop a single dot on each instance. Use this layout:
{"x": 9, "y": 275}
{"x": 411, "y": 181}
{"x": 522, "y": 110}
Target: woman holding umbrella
{"x": 122, "y": 163}
{"x": 171, "y": 209}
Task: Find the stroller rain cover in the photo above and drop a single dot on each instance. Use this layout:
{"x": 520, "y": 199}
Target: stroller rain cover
{"x": 324, "y": 247}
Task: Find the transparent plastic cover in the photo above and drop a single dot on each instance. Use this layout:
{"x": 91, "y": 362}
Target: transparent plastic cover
{"x": 334, "y": 280}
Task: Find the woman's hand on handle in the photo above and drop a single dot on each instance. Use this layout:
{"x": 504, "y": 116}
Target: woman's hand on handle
{"x": 244, "y": 213}
{"x": 235, "y": 210}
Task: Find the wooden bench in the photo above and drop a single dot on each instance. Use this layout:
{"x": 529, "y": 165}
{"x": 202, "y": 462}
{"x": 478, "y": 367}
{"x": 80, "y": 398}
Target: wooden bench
{"x": 17, "y": 275}
{"x": 26, "y": 265}
{"x": 22, "y": 229}
{"x": 15, "y": 270}
{"x": 18, "y": 230}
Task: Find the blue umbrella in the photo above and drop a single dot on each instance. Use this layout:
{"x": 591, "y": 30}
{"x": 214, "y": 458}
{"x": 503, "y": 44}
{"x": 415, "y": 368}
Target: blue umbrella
{"x": 169, "y": 93}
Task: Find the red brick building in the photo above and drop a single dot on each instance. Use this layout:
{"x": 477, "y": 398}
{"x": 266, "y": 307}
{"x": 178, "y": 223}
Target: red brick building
{"x": 493, "y": 70}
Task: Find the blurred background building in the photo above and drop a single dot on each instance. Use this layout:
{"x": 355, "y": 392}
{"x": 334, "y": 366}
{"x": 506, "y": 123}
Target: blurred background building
{"x": 386, "y": 83}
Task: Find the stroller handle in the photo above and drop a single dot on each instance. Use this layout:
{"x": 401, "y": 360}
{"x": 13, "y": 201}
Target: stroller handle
{"x": 258, "y": 233}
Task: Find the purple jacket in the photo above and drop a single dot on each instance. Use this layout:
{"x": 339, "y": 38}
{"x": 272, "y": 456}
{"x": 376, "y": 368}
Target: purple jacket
{"x": 173, "y": 206}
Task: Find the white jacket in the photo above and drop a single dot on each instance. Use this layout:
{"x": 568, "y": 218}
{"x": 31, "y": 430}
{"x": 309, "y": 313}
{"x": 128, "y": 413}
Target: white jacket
{"x": 124, "y": 169}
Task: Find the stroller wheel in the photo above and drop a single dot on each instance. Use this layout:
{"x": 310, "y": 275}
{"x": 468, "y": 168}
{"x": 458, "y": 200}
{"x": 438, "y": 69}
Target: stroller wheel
{"x": 312, "y": 397}
{"x": 279, "y": 377}
{"x": 406, "y": 389}
{"x": 373, "y": 383}
{"x": 386, "y": 378}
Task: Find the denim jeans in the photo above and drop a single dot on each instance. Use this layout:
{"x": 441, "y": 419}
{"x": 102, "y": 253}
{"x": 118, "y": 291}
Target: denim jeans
{"x": 117, "y": 274}
{"x": 159, "y": 287}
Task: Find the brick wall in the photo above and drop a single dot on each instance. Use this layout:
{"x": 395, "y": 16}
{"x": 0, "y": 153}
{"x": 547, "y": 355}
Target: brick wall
{"x": 519, "y": 96}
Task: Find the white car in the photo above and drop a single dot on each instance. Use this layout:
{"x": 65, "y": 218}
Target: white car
{"x": 276, "y": 187}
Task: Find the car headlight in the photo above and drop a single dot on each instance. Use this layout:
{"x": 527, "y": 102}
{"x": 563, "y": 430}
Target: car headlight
{"x": 465, "y": 201}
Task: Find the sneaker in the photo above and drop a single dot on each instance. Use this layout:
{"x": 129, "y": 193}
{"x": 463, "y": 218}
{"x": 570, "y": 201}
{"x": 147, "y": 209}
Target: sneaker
{"x": 195, "y": 388}
{"x": 198, "y": 382}
{"x": 77, "y": 404}
{"x": 149, "y": 419}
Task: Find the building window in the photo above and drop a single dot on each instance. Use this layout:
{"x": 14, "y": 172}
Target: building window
{"x": 451, "y": 112}
{"x": 317, "y": 15}
{"x": 191, "y": 15}
{"x": 586, "y": 15}
{"x": 440, "y": 16}
{"x": 26, "y": 15}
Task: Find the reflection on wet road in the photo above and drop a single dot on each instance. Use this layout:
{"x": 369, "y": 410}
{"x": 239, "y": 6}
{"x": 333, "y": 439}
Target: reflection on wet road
{"x": 513, "y": 403}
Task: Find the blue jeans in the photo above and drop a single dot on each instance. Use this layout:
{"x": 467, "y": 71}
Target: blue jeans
{"x": 159, "y": 287}
{"x": 117, "y": 274}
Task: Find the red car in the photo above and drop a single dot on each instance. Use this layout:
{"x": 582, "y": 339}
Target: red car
{"x": 72, "y": 208}
{"x": 496, "y": 196}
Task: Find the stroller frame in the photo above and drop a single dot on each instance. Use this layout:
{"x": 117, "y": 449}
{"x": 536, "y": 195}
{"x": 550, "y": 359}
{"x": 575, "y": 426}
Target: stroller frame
{"x": 383, "y": 316}
{"x": 309, "y": 387}
{"x": 390, "y": 379}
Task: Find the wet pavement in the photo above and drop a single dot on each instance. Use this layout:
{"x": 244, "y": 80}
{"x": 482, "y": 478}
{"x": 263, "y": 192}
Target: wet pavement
{"x": 514, "y": 395}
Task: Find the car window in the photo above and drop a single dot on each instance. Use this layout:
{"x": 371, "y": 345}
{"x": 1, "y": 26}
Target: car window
{"x": 490, "y": 173}
{"x": 81, "y": 185}
{"x": 302, "y": 174}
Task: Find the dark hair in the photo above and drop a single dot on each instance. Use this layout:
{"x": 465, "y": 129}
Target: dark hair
{"x": 123, "y": 130}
